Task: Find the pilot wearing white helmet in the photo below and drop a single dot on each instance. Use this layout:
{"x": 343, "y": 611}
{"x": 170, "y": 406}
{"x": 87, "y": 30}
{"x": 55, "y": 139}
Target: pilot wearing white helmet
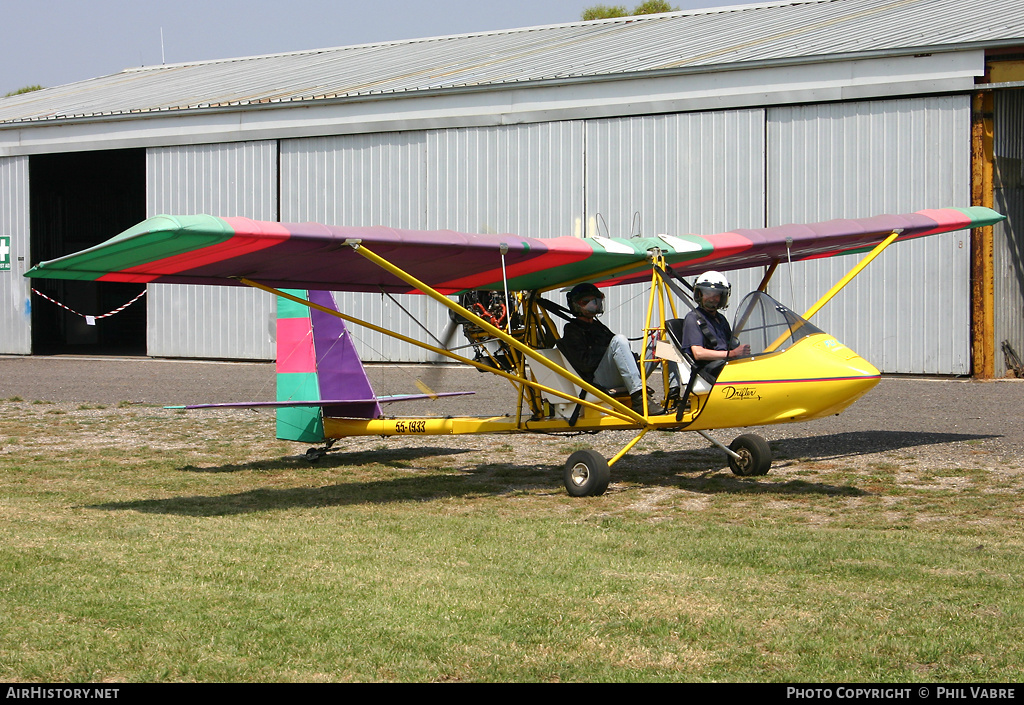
{"x": 706, "y": 332}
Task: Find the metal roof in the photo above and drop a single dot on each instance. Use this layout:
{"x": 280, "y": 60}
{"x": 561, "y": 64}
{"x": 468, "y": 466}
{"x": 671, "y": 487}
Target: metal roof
{"x": 773, "y": 33}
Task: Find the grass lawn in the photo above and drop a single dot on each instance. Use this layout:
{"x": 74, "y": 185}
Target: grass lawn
{"x": 142, "y": 544}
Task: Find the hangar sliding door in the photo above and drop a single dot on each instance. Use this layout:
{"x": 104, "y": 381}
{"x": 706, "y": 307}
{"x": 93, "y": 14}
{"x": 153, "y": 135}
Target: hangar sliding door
{"x": 523, "y": 179}
{"x": 357, "y": 180}
{"x": 909, "y": 311}
{"x": 1008, "y": 245}
{"x": 228, "y": 180}
{"x": 673, "y": 174}
{"x": 15, "y": 319}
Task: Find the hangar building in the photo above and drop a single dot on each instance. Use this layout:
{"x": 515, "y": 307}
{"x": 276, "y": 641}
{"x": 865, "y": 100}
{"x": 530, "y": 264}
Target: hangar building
{"x": 698, "y": 121}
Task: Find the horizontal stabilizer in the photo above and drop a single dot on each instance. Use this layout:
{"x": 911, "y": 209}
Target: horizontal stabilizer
{"x": 322, "y": 403}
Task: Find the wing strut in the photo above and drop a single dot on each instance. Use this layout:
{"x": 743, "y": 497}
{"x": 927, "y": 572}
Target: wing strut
{"x": 763, "y": 286}
{"x": 449, "y": 353}
{"x": 617, "y": 406}
{"x": 838, "y": 286}
{"x": 852, "y": 273}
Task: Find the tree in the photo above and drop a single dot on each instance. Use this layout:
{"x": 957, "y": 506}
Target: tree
{"x": 653, "y": 7}
{"x": 604, "y": 12}
{"x": 649, "y": 7}
{"x": 26, "y": 89}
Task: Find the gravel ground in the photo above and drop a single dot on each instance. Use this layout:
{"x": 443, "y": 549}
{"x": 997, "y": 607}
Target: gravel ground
{"x": 940, "y": 422}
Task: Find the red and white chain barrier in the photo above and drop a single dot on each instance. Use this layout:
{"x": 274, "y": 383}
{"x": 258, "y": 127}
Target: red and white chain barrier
{"x": 90, "y": 320}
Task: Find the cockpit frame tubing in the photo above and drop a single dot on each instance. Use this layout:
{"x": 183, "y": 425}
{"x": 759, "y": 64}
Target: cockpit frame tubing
{"x": 617, "y": 408}
{"x": 431, "y": 348}
{"x": 661, "y": 295}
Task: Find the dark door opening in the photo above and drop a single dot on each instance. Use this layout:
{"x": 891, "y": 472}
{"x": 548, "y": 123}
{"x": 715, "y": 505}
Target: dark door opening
{"x": 76, "y": 201}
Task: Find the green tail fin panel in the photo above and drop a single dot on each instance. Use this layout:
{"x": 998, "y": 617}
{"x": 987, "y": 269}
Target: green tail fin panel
{"x": 296, "y": 373}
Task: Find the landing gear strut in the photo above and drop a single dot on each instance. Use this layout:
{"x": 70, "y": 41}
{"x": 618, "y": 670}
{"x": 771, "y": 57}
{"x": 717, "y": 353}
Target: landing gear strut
{"x": 748, "y": 455}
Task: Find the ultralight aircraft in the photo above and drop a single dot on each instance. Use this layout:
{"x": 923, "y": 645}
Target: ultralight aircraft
{"x": 795, "y": 371}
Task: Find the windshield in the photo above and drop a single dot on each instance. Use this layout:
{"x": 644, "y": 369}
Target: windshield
{"x": 767, "y": 326}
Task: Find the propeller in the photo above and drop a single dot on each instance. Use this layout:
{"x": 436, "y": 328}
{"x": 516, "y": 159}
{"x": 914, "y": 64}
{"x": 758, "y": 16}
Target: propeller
{"x": 445, "y": 341}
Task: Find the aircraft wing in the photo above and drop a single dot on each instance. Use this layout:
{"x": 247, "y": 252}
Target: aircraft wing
{"x": 203, "y": 249}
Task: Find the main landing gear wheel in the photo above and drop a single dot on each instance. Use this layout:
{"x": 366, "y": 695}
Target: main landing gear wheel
{"x": 755, "y": 455}
{"x": 586, "y": 474}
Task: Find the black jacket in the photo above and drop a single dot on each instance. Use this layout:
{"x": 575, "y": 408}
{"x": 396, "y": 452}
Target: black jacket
{"x": 583, "y": 344}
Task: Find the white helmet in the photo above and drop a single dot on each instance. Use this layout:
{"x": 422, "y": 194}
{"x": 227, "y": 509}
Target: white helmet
{"x": 712, "y": 283}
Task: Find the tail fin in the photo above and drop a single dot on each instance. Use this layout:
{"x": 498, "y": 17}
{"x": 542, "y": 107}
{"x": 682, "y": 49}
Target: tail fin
{"x": 316, "y": 360}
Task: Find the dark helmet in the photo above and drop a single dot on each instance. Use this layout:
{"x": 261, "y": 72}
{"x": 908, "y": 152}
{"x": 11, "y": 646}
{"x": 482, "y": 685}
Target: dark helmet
{"x": 582, "y": 291}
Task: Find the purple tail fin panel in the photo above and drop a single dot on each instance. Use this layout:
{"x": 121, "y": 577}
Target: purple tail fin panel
{"x": 339, "y": 370}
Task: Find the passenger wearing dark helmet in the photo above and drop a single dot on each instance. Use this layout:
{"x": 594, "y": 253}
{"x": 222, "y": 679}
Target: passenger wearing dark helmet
{"x": 598, "y": 355}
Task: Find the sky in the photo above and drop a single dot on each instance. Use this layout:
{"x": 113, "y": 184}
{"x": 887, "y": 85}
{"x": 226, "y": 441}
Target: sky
{"x": 53, "y": 42}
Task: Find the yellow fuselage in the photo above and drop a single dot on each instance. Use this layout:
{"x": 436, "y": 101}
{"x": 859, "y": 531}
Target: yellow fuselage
{"x": 818, "y": 376}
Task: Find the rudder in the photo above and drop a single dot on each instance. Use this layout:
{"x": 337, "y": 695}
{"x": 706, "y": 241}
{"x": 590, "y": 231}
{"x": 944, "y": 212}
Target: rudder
{"x": 316, "y": 361}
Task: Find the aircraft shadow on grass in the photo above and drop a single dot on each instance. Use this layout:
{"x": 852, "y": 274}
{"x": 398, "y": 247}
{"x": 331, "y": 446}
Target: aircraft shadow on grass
{"x": 702, "y": 471}
{"x": 854, "y": 443}
{"x": 390, "y": 457}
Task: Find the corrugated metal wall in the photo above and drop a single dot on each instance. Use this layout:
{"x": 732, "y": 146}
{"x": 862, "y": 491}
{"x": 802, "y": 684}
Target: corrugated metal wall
{"x": 373, "y": 179}
{"x": 673, "y": 174}
{"x": 699, "y": 172}
{"x": 15, "y": 312}
{"x": 238, "y": 179}
{"x": 1009, "y": 239}
{"x": 525, "y": 179}
{"x": 909, "y": 311}
{"x": 693, "y": 172}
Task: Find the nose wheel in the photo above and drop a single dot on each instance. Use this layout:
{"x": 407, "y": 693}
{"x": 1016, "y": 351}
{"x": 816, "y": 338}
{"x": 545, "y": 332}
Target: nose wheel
{"x": 754, "y": 457}
{"x": 586, "y": 474}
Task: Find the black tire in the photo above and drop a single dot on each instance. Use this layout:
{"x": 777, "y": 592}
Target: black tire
{"x": 586, "y": 474}
{"x": 755, "y": 455}
{"x": 313, "y": 455}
